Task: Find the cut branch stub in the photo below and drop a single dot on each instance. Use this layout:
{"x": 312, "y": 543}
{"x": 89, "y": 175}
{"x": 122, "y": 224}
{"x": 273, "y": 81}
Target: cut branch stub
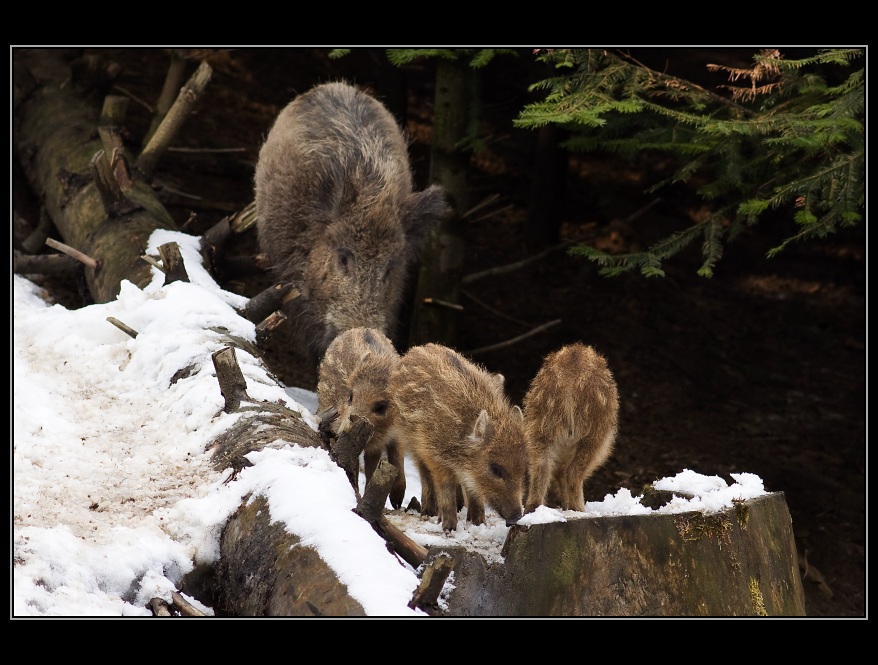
{"x": 112, "y": 197}
{"x": 114, "y": 110}
{"x": 347, "y": 448}
{"x": 265, "y": 328}
{"x": 371, "y": 506}
{"x": 263, "y": 304}
{"x": 173, "y": 121}
{"x": 213, "y": 243}
{"x": 159, "y": 607}
{"x": 111, "y": 140}
{"x": 173, "y": 81}
{"x": 172, "y": 263}
{"x": 244, "y": 218}
{"x": 233, "y": 386}
{"x": 73, "y": 253}
{"x": 184, "y": 606}
{"x": 131, "y": 332}
{"x": 426, "y": 596}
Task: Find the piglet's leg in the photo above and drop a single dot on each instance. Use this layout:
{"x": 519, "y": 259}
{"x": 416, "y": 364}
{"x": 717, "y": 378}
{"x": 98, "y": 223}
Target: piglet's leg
{"x": 397, "y": 491}
{"x": 428, "y": 492}
{"x": 446, "y": 498}
{"x": 539, "y": 483}
{"x": 475, "y": 509}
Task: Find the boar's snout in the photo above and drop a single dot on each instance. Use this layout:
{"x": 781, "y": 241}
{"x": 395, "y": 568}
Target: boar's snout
{"x": 512, "y": 520}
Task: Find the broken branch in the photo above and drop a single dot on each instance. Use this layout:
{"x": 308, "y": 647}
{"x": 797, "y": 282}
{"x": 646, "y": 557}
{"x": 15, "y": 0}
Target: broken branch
{"x": 74, "y": 253}
{"x": 173, "y": 121}
{"x": 131, "y": 332}
{"x": 515, "y": 340}
{"x": 233, "y": 386}
{"x": 426, "y": 596}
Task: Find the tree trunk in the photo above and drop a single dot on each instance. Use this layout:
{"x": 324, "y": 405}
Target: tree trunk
{"x": 266, "y": 571}
{"x": 442, "y": 257}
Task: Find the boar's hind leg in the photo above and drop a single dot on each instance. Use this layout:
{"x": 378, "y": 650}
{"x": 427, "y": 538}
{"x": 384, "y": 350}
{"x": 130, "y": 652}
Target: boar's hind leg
{"x": 570, "y": 488}
{"x": 555, "y": 495}
{"x": 428, "y": 493}
{"x": 586, "y": 460}
{"x": 539, "y": 485}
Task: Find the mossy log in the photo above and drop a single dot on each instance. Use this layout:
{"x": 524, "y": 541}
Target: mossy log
{"x": 737, "y": 562}
{"x": 266, "y": 571}
{"x": 57, "y": 136}
{"x": 263, "y": 569}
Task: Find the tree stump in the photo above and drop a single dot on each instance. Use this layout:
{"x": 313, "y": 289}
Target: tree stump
{"x": 738, "y": 562}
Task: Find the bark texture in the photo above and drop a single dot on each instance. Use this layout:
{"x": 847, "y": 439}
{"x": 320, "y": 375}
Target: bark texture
{"x": 266, "y": 571}
{"x": 443, "y": 254}
{"x": 738, "y": 562}
{"x": 57, "y": 139}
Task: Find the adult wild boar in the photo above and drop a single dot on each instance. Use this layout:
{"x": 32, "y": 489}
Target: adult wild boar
{"x": 336, "y": 212}
{"x": 455, "y": 421}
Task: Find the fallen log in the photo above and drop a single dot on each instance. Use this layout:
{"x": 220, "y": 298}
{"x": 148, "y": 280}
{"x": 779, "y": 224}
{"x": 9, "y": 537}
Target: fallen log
{"x": 58, "y": 141}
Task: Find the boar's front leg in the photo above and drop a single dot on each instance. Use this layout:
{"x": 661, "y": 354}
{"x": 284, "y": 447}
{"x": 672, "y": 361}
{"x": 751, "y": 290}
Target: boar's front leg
{"x": 475, "y": 509}
{"x": 371, "y": 458}
{"x": 396, "y": 457}
{"x": 446, "y": 498}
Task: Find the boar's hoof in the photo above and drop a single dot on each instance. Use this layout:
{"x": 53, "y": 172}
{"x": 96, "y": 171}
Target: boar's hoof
{"x": 449, "y": 527}
{"x": 396, "y": 498}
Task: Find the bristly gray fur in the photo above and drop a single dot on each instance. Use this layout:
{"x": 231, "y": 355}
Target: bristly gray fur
{"x": 337, "y": 214}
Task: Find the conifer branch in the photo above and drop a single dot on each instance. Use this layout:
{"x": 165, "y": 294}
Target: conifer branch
{"x": 777, "y": 137}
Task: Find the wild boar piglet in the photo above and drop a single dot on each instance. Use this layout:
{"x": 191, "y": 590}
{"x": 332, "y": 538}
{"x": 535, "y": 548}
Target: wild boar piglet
{"x": 460, "y": 429}
{"x": 352, "y": 379}
{"x": 571, "y": 412}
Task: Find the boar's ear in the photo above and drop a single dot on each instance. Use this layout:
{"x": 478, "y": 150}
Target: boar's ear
{"x": 421, "y": 212}
{"x": 482, "y": 429}
{"x": 516, "y": 411}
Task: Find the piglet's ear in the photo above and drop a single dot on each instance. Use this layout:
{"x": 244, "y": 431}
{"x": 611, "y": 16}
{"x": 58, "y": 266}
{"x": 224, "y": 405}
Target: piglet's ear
{"x": 482, "y": 428}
